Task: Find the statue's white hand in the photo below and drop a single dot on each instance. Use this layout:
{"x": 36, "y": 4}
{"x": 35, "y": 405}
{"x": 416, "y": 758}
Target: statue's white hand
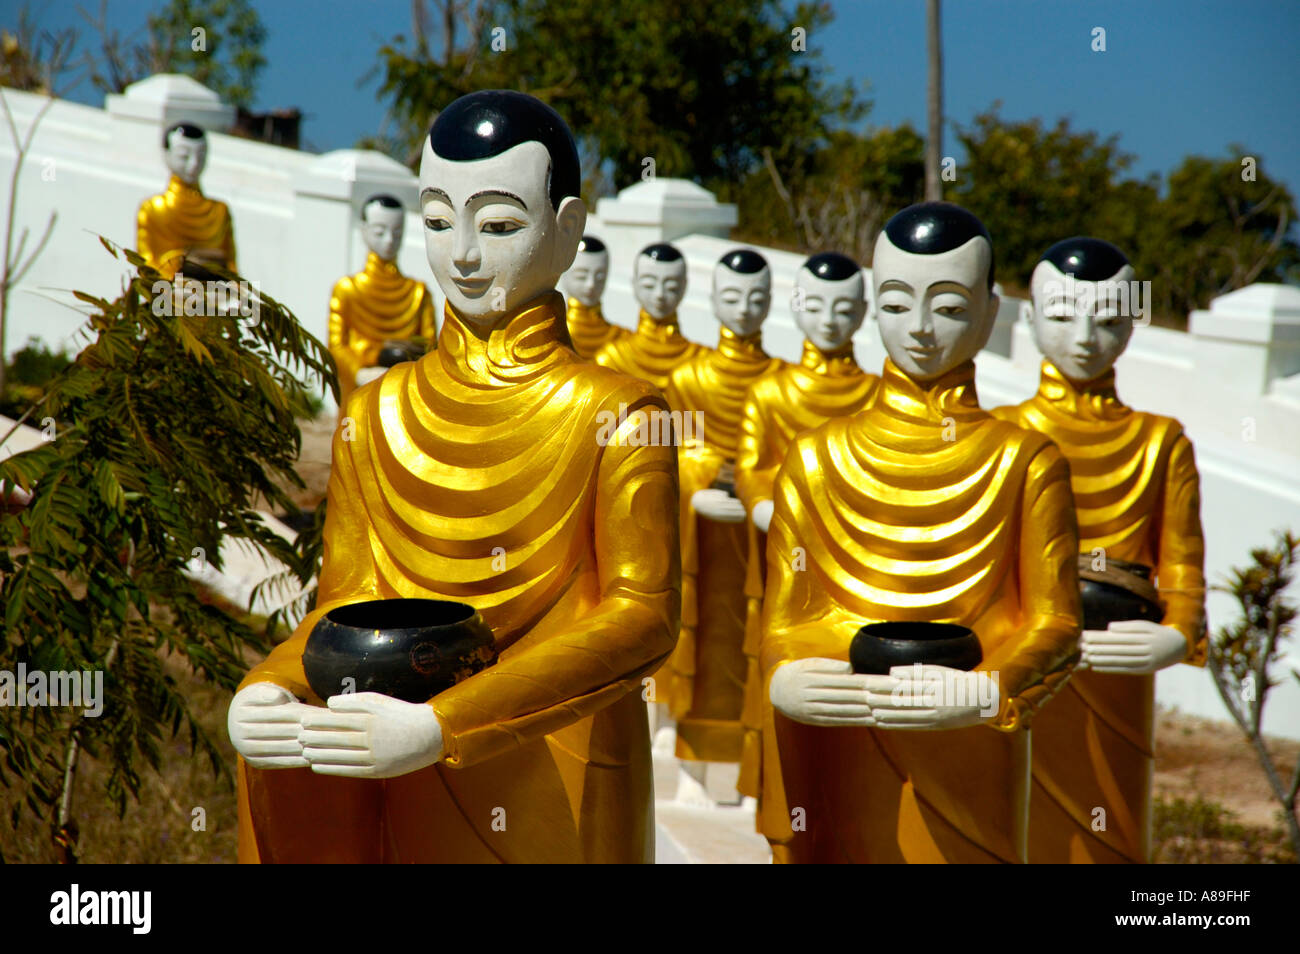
{"x": 714, "y": 504}
{"x": 932, "y": 697}
{"x": 1135, "y": 646}
{"x": 366, "y": 375}
{"x": 264, "y": 721}
{"x": 370, "y": 735}
{"x": 820, "y": 691}
{"x": 762, "y": 514}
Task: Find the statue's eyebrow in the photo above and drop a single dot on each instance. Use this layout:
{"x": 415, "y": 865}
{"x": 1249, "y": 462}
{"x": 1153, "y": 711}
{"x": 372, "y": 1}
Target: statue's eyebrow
{"x": 501, "y": 192}
{"x": 434, "y": 194}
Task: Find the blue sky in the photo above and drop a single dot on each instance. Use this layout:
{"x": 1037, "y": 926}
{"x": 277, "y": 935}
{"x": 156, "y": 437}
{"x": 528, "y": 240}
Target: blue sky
{"x": 1178, "y": 77}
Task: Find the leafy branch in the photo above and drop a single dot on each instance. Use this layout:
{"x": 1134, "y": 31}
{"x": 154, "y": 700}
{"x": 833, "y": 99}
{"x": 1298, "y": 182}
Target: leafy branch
{"x": 170, "y": 430}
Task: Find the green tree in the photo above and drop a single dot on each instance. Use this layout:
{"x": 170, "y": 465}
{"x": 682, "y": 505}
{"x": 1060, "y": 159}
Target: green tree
{"x": 1033, "y": 186}
{"x": 840, "y": 197}
{"x": 218, "y": 42}
{"x": 1221, "y": 226}
{"x": 167, "y": 431}
{"x": 704, "y": 88}
{"x": 1241, "y": 655}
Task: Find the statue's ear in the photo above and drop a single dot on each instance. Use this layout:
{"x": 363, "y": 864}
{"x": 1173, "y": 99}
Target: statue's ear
{"x": 990, "y": 318}
{"x": 570, "y": 223}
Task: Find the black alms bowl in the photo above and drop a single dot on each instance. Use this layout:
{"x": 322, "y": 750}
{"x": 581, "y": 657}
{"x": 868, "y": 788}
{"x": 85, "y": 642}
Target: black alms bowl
{"x": 879, "y": 646}
{"x": 396, "y": 351}
{"x": 1122, "y": 592}
{"x": 407, "y": 649}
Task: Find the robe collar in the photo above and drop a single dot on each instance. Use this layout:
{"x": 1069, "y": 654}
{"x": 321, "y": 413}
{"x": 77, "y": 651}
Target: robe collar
{"x": 647, "y": 326}
{"x": 837, "y": 363}
{"x": 1090, "y": 399}
{"x": 520, "y": 345}
{"x": 178, "y": 188}
{"x": 952, "y": 394}
{"x": 376, "y": 267}
{"x": 732, "y": 345}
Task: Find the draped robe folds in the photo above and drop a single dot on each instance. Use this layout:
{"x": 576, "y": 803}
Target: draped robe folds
{"x": 1137, "y": 495}
{"x": 779, "y": 407}
{"x": 706, "y": 673}
{"x": 376, "y": 305}
{"x": 181, "y": 220}
{"x": 589, "y": 329}
{"x": 649, "y": 353}
{"x": 919, "y": 507}
{"x": 475, "y": 475}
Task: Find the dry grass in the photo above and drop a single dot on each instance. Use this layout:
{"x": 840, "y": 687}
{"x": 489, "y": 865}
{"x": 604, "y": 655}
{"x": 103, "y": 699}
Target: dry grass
{"x": 157, "y": 828}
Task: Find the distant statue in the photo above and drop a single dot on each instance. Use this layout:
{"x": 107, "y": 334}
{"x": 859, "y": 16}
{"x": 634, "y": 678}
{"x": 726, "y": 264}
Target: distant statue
{"x": 657, "y": 347}
{"x": 706, "y": 681}
{"x": 829, "y": 305}
{"x": 922, "y": 601}
{"x": 584, "y": 284}
{"x": 1138, "y": 497}
{"x": 182, "y": 223}
{"x": 378, "y": 307}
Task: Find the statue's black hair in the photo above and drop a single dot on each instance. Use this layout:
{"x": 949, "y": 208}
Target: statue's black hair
{"x": 744, "y": 261}
{"x": 1087, "y": 259}
{"x": 487, "y": 123}
{"x": 931, "y": 228}
{"x": 832, "y": 266}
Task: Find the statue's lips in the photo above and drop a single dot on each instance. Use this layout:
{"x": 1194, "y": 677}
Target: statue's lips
{"x": 472, "y": 285}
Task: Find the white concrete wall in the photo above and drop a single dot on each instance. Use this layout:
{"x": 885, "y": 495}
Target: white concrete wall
{"x": 1233, "y": 380}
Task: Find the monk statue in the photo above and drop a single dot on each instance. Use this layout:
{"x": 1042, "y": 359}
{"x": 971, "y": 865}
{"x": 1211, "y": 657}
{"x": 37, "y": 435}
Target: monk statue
{"x": 657, "y": 346}
{"x": 1137, "y": 495}
{"x": 584, "y": 284}
{"x": 182, "y": 223}
{"x": 925, "y": 513}
{"x": 379, "y": 306}
{"x": 707, "y": 671}
{"x": 474, "y": 475}
{"x": 828, "y": 306}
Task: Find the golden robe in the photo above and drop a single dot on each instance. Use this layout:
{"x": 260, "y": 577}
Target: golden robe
{"x": 919, "y": 507}
{"x": 1137, "y": 494}
{"x": 649, "y": 353}
{"x": 706, "y": 674}
{"x": 589, "y": 329}
{"x": 779, "y": 407}
{"x": 171, "y": 225}
{"x": 474, "y": 475}
{"x": 376, "y": 305}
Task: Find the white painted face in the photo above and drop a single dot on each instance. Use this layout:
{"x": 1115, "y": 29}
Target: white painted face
{"x": 585, "y": 281}
{"x": 1077, "y": 325}
{"x": 186, "y": 157}
{"x": 659, "y": 286}
{"x": 382, "y": 230}
{"x": 493, "y": 241}
{"x": 935, "y": 311}
{"x": 829, "y": 313}
{"x": 741, "y": 301}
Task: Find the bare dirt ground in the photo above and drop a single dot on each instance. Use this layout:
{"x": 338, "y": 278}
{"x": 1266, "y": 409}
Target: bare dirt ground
{"x": 1212, "y": 759}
